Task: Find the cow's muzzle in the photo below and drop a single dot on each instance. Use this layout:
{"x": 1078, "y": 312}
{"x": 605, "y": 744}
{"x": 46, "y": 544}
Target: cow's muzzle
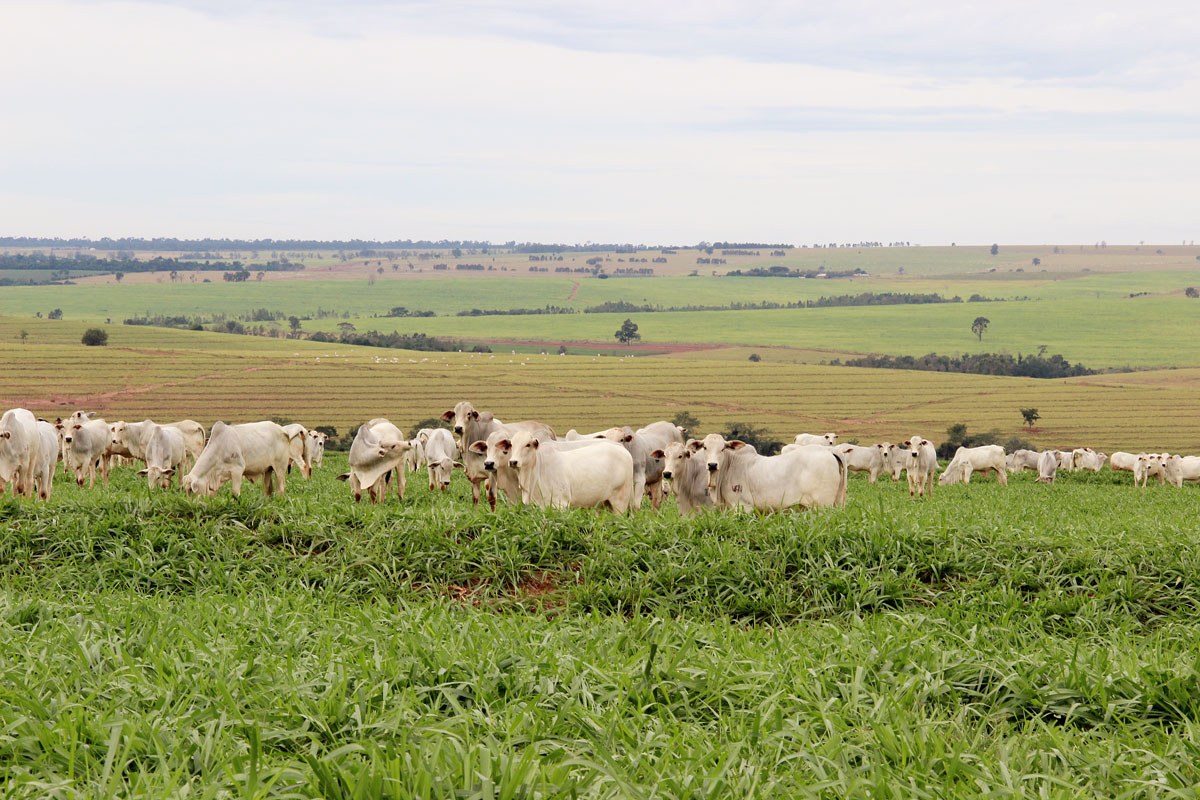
{"x": 712, "y": 467}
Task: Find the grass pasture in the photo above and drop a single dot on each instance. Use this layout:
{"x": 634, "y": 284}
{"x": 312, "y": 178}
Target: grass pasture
{"x": 1032, "y": 640}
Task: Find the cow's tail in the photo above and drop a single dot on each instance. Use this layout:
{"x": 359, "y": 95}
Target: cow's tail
{"x": 843, "y": 479}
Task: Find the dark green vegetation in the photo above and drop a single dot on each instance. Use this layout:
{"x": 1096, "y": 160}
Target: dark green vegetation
{"x": 1034, "y": 640}
{"x": 1023, "y": 366}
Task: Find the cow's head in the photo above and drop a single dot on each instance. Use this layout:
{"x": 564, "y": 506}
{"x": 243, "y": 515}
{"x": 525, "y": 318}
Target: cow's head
{"x": 523, "y": 451}
{"x": 675, "y": 457}
{"x": 499, "y": 451}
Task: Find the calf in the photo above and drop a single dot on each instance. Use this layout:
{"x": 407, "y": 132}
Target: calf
{"x": 922, "y": 466}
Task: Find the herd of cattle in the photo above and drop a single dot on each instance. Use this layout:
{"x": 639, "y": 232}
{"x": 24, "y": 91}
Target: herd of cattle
{"x": 525, "y": 462}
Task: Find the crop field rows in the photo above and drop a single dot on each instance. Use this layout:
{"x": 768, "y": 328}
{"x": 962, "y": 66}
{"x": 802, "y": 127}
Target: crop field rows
{"x": 343, "y": 386}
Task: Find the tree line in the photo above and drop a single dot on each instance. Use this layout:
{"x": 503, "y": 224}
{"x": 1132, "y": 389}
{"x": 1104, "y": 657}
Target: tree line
{"x": 1021, "y": 366}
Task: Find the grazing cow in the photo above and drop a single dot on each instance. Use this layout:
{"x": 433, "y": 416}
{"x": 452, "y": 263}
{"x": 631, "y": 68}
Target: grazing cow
{"x": 299, "y": 448}
{"x": 438, "y": 452}
{"x": 824, "y": 439}
{"x": 247, "y": 451}
{"x": 688, "y": 477}
{"x": 376, "y": 453}
{"x": 810, "y": 476}
{"x": 20, "y": 451}
{"x": 863, "y": 458}
{"x": 571, "y": 474}
{"x": 1047, "y": 466}
{"x": 43, "y": 470}
{"x": 1026, "y": 459}
{"x": 1066, "y": 459}
{"x": 164, "y": 453}
{"x": 1122, "y": 462}
{"x": 1087, "y": 458}
{"x": 87, "y": 439}
{"x": 133, "y": 436}
{"x": 968, "y": 460}
{"x": 922, "y": 466}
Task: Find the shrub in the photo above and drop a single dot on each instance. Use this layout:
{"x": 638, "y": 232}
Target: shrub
{"x": 95, "y": 337}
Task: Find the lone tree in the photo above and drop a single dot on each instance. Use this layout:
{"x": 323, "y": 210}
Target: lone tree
{"x": 979, "y": 326}
{"x": 628, "y": 332}
{"x": 1031, "y": 416}
{"x": 95, "y": 337}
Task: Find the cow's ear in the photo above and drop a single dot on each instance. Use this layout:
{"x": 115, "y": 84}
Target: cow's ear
{"x": 924, "y": 442}
{"x": 447, "y": 416}
{"x": 458, "y": 464}
{"x": 695, "y": 445}
{"x": 143, "y": 472}
{"x": 658, "y": 454}
{"x": 505, "y": 443}
{"x": 627, "y": 437}
{"x": 682, "y": 430}
{"x": 344, "y": 477}
{"x": 736, "y": 444}
{"x": 479, "y": 448}
{"x": 535, "y": 444}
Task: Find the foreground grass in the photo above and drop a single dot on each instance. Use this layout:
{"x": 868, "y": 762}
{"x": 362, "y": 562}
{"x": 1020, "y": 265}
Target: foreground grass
{"x": 1029, "y": 641}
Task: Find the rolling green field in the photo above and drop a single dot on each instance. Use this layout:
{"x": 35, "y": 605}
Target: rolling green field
{"x": 1028, "y": 641}
{"x": 1023, "y": 641}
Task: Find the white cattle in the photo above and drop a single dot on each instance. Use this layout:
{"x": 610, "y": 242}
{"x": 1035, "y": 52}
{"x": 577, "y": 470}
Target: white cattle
{"x": 439, "y": 455}
{"x": 895, "y": 459}
{"x": 249, "y": 451}
{"x": 1066, "y": 459}
{"x": 824, "y": 439}
{"x": 499, "y": 476}
{"x": 863, "y": 458}
{"x": 574, "y": 475}
{"x": 318, "y": 446}
{"x": 688, "y": 476}
{"x": 810, "y": 476}
{"x": 1186, "y": 468}
{"x": 299, "y": 448}
{"x": 968, "y": 460}
{"x": 1149, "y": 465}
{"x": 87, "y": 439}
{"x": 1087, "y": 458}
{"x": 164, "y": 454}
{"x": 376, "y": 453}
{"x": 922, "y": 466}
{"x": 1026, "y": 459}
{"x": 20, "y": 451}
{"x": 1122, "y": 462}
{"x": 133, "y": 436}
{"x": 647, "y": 471}
{"x": 1047, "y": 466}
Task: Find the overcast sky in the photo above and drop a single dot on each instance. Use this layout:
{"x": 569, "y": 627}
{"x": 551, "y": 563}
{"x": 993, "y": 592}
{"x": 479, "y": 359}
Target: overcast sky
{"x": 602, "y": 120}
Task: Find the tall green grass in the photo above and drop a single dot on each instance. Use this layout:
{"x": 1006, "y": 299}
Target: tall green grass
{"x": 1028, "y": 641}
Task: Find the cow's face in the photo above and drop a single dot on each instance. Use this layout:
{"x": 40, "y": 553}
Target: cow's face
{"x": 831, "y": 439}
{"x": 499, "y": 453}
{"x": 675, "y": 459}
{"x": 524, "y": 452}
{"x": 440, "y": 471}
{"x": 117, "y": 433}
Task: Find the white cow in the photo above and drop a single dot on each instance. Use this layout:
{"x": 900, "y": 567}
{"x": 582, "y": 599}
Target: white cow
{"x": 1066, "y": 459}
{"x": 1122, "y": 462}
{"x": 810, "y": 476}
{"x": 1047, "y": 466}
{"x": 299, "y": 448}
{"x": 825, "y": 439}
{"x": 1149, "y": 465}
{"x": 895, "y": 459}
{"x": 968, "y": 460}
{"x": 863, "y": 458}
{"x": 249, "y": 451}
{"x": 688, "y": 476}
{"x": 376, "y": 453}
{"x": 43, "y": 470}
{"x": 1026, "y": 459}
{"x": 499, "y": 476}
{"x": 922, "y": 466}
{"x": 1087, "y": 458}
{"x": 439, "y": 455}
{"x": 573, "y": 476}
{"x": 164, "y": 453}
{"x": 133, "y": 436}
{"x": 87, "y": 439}
{"x": 318, "y": 446}
{"x": 20, "y": 451}
{"x": 647, "y": 471}
{"x": 1185, "y": 468}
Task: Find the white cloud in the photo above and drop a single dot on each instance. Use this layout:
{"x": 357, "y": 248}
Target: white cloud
{"x": 606, "y": 122}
